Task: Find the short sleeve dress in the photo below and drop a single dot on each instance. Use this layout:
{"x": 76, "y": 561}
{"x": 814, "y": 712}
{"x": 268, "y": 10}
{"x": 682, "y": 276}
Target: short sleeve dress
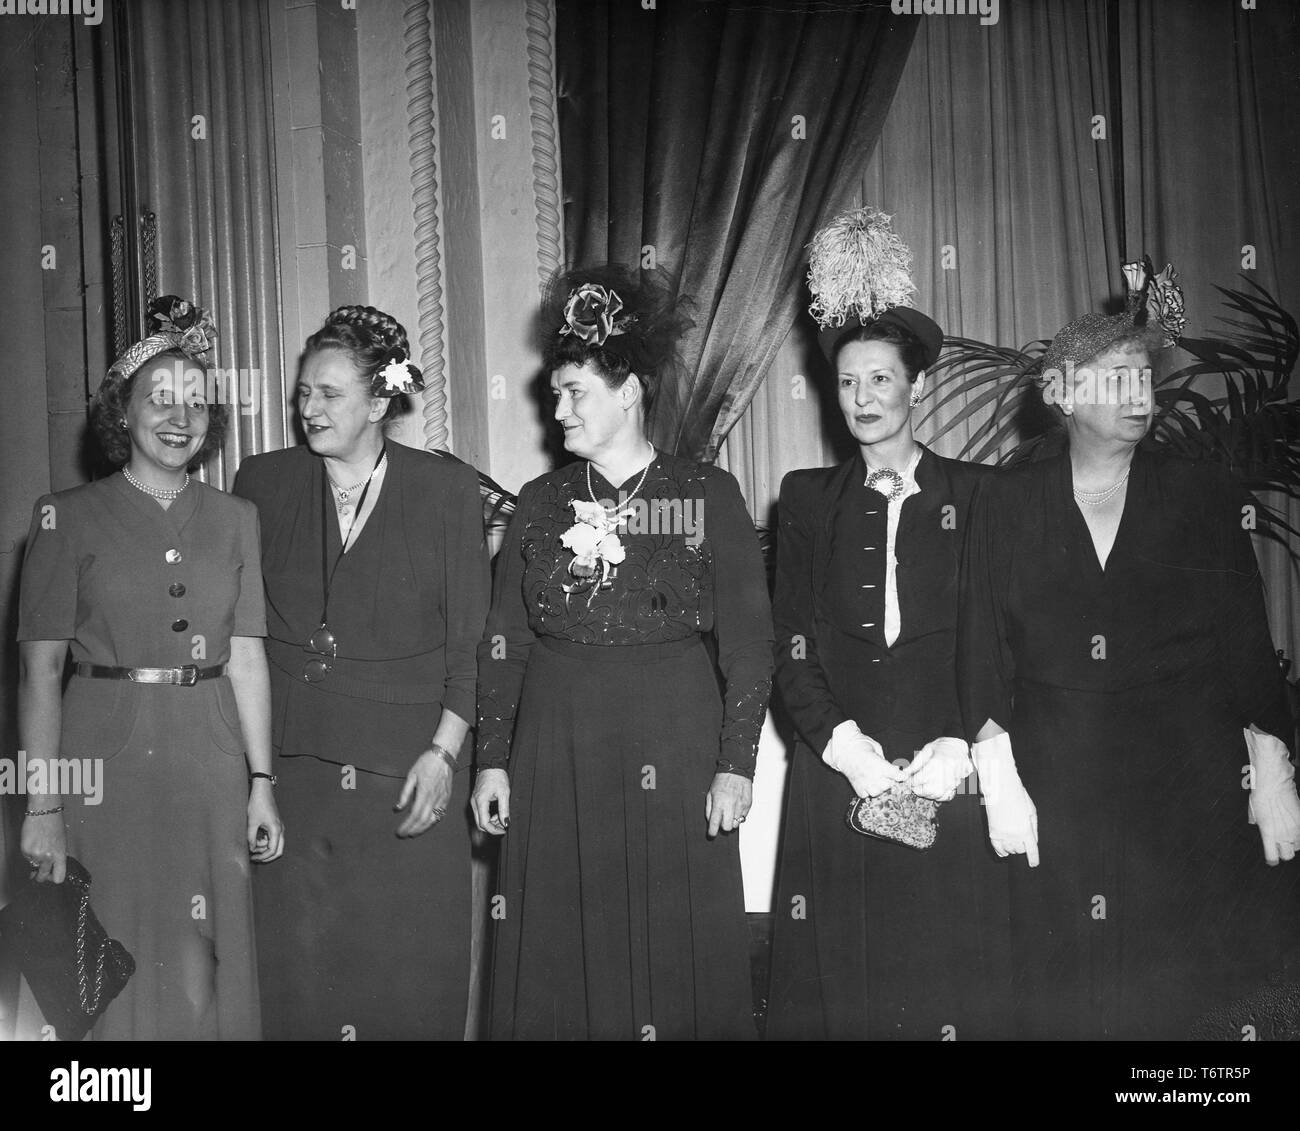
{"x": 159, "y": 819}
{"x": 615, "y": 916}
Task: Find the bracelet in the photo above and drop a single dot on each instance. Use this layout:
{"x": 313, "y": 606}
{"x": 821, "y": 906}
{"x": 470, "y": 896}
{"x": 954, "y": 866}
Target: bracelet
{"x": 443, "y": 753}
{"x": 258, "y": 774}
{"x": 43, "y": 812}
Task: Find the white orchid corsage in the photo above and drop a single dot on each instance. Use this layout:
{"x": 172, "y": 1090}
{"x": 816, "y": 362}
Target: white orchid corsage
{"x": 594, "y": 541}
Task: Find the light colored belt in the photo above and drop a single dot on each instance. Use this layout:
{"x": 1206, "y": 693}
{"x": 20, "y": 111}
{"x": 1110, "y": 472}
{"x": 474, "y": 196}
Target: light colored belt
{"x": 187, "y": 676}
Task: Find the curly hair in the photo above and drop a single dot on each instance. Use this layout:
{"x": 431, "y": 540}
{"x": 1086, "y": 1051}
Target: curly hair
{"x": 653, "y": 320}
{"x": 369, "y": 337}
{"x": 911, "y": 350}
{"x": 108, "y": 416}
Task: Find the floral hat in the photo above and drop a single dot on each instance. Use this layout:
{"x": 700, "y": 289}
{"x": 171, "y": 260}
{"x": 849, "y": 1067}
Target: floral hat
{"x": 595, "y": 313}
{"x": 1153, "y": 300}
{"x": 174, "y": 324}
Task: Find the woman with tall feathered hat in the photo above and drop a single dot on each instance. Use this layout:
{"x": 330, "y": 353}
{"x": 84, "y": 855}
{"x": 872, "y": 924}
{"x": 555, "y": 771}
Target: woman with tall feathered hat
{"x": 607, "y": 759}
{"x": 1113, "y": 649}
{"x": 891, "y": 941}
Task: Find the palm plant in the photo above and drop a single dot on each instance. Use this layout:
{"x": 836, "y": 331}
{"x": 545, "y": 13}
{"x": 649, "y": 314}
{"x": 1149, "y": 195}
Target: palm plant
{"x": 1229, "y": 404}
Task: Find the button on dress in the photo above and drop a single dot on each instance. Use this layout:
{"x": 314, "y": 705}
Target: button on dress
{"x": 113, "y": 573}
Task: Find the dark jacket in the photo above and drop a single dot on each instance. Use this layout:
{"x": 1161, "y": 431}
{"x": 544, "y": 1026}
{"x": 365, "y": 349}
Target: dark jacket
{"x": 911, "y": 686}
{"x": 407, "y": 604}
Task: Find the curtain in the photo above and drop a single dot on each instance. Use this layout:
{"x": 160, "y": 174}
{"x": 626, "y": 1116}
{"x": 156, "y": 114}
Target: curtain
{"x": 987, "y": 151}
{"x": 713, "y": 138}
{"x": 1211, "y": 94}
{"x": 214, "y": 195}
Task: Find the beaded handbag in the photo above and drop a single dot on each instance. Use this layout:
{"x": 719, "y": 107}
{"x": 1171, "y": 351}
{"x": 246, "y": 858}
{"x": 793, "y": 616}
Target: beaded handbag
{"x": 73, "y": 968}
{"x": 897, "y": 815}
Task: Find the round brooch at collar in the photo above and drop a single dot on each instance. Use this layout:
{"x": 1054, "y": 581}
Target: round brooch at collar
{"x": 887, "y": 481}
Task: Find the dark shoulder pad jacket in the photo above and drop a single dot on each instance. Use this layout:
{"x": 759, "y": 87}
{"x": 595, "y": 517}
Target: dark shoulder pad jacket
{"x": 912, "y": 682}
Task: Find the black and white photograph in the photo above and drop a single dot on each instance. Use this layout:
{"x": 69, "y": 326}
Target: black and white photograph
{"x": 550, "y": 521}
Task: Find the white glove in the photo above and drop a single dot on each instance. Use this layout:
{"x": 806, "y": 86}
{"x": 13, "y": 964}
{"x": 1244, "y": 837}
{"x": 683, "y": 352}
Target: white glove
{"x": 861, "y": 760}
{"x": 1274, "y": 806}
{"x": 1013, "y": 820}
{"x": 939, "y": 768}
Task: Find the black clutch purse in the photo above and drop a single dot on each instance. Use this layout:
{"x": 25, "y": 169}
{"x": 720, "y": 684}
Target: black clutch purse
{"x": 73, "y": 968}
{"x": 897, "y": 815}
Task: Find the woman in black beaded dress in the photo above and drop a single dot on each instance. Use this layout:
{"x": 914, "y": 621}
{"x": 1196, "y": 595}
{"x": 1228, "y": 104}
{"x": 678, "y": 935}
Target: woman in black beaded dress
{"x": 619, "y": 911}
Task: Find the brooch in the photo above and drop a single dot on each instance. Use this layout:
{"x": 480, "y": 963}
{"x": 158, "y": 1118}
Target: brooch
{"x": 887, "y": 481}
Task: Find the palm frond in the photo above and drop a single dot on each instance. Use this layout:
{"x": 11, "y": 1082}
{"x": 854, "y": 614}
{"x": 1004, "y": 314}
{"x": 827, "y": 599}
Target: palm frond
{"x": 1230, "y": 404}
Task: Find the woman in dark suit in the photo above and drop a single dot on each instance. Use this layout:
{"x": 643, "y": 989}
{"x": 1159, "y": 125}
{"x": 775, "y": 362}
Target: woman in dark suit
{"x": 1113, "y": 649}
{"x": 377, "y": 589}
{"x": 875, "y": 939}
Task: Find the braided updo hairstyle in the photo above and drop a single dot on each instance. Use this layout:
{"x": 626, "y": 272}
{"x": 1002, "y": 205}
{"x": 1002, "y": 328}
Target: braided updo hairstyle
{"x": 371, "y": 338}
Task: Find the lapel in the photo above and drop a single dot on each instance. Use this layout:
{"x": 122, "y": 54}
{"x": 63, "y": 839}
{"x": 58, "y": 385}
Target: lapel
{"x": 823, "y": 513}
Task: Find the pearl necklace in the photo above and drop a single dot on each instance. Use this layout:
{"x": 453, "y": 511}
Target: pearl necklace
{"x": 644, "y": 472}
{"x": 167, "y": 494}
{"x": 344, "y": 493}
{"x": 1096, "y": 498}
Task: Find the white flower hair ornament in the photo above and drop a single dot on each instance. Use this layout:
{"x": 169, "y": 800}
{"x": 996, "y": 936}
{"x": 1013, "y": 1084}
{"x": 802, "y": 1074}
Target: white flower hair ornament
{"x": 397, "y": 376}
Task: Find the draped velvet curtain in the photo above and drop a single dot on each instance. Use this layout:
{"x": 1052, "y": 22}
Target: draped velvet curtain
{"x": 987, "y": 154}
{"x": 715, "y": 137}
{"x": 202, "y": 124}
{"x": 987, "y": 150}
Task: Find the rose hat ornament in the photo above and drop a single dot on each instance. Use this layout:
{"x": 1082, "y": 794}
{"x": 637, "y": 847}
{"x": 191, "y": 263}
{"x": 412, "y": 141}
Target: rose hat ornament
{"x": 592, "y": 314}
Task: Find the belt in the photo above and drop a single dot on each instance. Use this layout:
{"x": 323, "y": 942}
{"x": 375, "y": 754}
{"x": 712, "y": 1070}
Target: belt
{"x": 187, "y": 676}
{"x": 621, "y": 653}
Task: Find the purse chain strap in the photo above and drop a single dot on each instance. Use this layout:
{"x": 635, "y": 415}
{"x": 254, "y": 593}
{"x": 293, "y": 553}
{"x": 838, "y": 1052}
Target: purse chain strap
{"x": 88, "y": 1006}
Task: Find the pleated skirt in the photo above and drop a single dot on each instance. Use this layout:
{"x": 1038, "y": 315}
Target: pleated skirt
{"x": 615, "y": 917}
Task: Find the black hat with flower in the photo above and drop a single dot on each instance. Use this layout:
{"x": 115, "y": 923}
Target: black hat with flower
{"x": 626, "y": 320}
